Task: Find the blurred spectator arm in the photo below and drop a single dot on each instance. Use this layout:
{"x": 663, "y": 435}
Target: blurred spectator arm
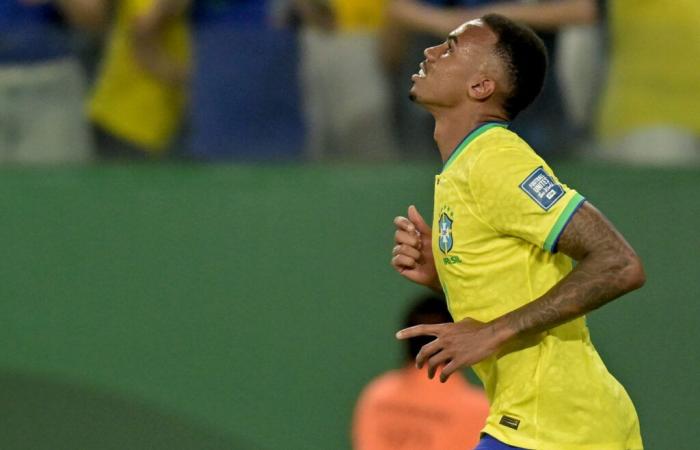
{"x": 168, "y": 9}
{"x": 87, "y": 15}
{"x": 548, "y": 15}
{"x": 314, "y": 13}
{"x": 392, "y": 44}
{"x": 149, "y": 50}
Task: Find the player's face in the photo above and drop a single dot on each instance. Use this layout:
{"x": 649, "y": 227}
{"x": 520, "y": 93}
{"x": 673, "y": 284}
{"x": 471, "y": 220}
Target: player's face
{"x": 448, "y": 68}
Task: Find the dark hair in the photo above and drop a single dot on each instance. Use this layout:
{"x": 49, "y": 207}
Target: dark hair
{"x": 427, "y": 309}
{"x": 525, "y": 57}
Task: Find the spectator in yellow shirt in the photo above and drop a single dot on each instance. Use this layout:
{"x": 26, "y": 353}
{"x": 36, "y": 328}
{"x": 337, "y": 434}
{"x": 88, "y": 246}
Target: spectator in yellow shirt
{"x": 650, "y": 112}
{"x": 140, "y": 94}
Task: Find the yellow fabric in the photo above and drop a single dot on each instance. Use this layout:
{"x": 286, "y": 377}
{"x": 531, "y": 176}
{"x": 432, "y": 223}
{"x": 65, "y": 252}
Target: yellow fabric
{"x": 129, "y": 102}
{"x": 358, "y": 15}
{"x": 653, "y": 77}
{"x": 554, "y": 383}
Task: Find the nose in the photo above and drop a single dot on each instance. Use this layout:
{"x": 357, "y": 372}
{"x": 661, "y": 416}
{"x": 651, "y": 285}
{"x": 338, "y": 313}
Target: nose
{"x": 430, "y": 52}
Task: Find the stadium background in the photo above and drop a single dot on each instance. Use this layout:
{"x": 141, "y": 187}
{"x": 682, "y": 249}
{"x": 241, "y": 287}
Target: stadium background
{"x": 174, "y": 303}
{"x": 179, "y": 307}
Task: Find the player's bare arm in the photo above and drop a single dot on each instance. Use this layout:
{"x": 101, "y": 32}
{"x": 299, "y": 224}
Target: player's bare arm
{"x": 412, "y": 255}
{"x": 607, "y": 268}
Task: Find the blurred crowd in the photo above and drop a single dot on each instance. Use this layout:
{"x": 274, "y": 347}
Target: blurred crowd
{"x": 327, "y": 80}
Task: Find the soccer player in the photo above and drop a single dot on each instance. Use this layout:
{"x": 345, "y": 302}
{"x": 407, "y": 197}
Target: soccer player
{"x": 506, "y": 233}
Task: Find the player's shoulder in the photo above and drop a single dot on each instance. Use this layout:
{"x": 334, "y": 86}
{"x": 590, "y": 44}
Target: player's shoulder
{"x": 492, "y": 149}
{"x": 505, "y": 136}
{"x": 503, "y": 142}
{"x": 503, "y": 163}
{"x": 503, "y": 150}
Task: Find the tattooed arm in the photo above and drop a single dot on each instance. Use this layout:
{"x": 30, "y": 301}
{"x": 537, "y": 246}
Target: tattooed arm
{"x": 607, "y": 268}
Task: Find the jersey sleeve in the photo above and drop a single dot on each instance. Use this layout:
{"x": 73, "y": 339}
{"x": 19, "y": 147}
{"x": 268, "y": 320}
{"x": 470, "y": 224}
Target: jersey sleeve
{"x": 518, "y": 195}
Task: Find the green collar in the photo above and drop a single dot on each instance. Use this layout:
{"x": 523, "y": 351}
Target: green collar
{"x": 469, "y": 138}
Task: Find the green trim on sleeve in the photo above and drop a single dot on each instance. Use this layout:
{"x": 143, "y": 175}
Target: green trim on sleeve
{"x": 550, "y": 244}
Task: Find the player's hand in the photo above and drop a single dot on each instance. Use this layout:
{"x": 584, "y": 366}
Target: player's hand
{"x": 456, "y": 345}
{"x": 412, "y": 255}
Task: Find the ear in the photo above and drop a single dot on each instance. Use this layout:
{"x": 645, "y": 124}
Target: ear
{"x": 482, "y": 88}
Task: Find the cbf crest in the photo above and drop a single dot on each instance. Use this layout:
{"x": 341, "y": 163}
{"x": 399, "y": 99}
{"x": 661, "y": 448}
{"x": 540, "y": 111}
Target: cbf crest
{"x": 445, "y": 241}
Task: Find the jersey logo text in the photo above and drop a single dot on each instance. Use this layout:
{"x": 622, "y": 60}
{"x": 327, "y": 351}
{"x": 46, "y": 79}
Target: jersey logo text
{"x": 451, "y": 260}
{"x": 542, "y": 188}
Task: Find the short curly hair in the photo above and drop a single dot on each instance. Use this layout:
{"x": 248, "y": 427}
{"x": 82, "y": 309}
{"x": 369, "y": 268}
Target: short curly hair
{"x": 525, "y": 57}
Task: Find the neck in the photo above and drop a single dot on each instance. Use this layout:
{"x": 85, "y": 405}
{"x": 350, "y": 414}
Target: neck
{"x": 451, "y": 126}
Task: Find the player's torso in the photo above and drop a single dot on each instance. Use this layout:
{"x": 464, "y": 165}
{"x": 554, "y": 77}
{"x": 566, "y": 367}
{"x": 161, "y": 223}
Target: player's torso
{"x": 485, "y": 274}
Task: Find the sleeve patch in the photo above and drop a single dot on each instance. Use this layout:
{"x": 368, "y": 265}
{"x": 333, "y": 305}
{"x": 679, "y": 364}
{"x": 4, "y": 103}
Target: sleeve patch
{"x": 542, "y": 189}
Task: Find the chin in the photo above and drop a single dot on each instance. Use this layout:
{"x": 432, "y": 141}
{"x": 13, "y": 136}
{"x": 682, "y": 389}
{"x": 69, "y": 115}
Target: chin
{"x": 412, "y": 94}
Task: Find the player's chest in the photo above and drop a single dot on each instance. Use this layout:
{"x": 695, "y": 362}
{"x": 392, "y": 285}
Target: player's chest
{"x": 458, "y": 232}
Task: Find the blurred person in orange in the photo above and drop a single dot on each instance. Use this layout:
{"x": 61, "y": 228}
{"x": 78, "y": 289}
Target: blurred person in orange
{"x": 346, "y": 101}
{"x": 403, "y": 409}
{"x": 139, "y": 99}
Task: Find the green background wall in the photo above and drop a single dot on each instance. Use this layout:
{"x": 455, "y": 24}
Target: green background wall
{"x": 180, "y": 307}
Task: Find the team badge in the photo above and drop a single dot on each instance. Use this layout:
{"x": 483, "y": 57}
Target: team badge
{"x": 542, "y": 189}
{"x": 445, "y": 240}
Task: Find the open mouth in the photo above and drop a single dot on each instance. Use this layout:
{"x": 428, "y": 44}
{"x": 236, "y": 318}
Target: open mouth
{"x": 421, "y": 71}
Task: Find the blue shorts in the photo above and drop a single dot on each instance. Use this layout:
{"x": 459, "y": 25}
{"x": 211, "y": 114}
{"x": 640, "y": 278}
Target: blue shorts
{"x": 490, "y": 443}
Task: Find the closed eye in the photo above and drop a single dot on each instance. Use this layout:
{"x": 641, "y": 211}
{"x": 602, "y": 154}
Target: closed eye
{"x": 450, "y": 44}
{"x": 448, "y": 50}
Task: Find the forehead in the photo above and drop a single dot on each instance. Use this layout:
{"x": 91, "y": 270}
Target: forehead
{"x": 473, "y": 32}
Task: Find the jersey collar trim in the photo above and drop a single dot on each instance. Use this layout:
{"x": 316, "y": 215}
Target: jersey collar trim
{"x": 469, "y": 138}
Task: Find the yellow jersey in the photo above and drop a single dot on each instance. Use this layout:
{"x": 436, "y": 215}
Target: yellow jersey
{"x": 499, "y": 211}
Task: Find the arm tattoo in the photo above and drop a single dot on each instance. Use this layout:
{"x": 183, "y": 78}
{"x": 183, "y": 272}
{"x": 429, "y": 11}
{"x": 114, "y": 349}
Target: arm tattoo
{"x": 607, "y": 268}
